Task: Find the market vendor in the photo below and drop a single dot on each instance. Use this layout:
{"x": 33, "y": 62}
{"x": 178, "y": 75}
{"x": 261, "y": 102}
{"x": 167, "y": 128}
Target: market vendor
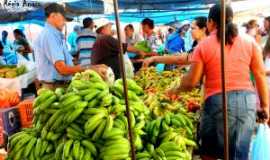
{"x": 243, "y": 55}
{"x": 106, "y": 48}
{"x": 54, "y": 62}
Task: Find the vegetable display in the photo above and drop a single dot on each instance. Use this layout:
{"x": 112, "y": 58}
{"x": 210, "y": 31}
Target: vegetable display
{"x": 12, "y": 71}
{"x": 87, "y": 121}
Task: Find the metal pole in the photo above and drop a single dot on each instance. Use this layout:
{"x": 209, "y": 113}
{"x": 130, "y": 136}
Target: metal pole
{"x": 223, "y": 78}
{"x": 123, "y": 74}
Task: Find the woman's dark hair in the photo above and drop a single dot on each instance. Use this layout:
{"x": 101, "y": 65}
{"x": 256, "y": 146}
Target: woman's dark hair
{"x": 201, "y": 22}
{"x": 130, "y": 26}
{"x": 231, "y": 29}
{"x": 19, "y": 32}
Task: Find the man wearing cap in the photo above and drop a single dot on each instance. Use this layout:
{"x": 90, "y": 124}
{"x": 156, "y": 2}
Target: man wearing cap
{"x": 86, "y": 40}
{"x": 54, "y": 63}
{"x": 106, "y": 48}
{"x": 186, "y": 34}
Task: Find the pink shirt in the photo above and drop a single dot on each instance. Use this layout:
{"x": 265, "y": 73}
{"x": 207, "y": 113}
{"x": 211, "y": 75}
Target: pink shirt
{"x": 237, "y": 63}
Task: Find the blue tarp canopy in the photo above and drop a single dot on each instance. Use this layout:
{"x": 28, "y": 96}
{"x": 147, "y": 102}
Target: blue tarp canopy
{"x": 161, "y": 11}
{"x": 85, "y": 7}
{"x": 162, "y": 4}
{"x": 161, "y": 17}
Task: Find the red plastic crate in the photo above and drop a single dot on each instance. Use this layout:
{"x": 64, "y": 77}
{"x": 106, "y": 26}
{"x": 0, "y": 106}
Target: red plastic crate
{"x": 26, "y": 113}
{"x": 2, "y": 136}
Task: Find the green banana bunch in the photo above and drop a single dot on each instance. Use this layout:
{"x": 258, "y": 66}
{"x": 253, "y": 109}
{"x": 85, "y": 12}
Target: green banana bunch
{"x": 153, "y": 128}
{"x": 115, "y": 149}
{"x": 143, "y": 155}
{"x": 76, "y": 149}
{"x": 169, "y": 151}
{"x": 94, "y": 122}
{"x": 132, "y": 86}
{"x": 25, "y": 145}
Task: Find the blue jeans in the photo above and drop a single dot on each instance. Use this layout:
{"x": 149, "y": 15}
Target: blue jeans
{"x": 241, "y": 124}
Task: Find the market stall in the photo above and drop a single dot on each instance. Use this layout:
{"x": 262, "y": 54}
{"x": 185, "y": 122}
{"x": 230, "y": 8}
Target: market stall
{"x": 100, "y": 110}
{"x": 20, "y": 82}
{"x": 127, "y": 119}
{"x": 20, "y": 76}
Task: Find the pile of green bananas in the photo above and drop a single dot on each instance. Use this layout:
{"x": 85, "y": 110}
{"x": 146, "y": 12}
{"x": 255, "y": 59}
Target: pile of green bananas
{"x": 88, "y": 121}
{"x": 26, "y": 145}
{"x": 170, "y": 138}
{"x": 85, "y": 121}
{"x": 166, "y": 150}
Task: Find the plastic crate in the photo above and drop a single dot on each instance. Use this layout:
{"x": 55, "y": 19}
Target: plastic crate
{"x": 26, "y": 113}
{"x": 2, "y": 136}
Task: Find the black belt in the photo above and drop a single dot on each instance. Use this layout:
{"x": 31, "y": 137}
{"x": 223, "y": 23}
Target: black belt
{"x": 56, "y": 82}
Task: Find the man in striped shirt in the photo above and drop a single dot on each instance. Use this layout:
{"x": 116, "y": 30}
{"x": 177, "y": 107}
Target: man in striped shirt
{"x": 85, "y": 41}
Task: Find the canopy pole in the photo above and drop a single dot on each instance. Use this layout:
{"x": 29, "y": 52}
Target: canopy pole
{"x": 123, "y": 74}
{"x": 223, "y": 78}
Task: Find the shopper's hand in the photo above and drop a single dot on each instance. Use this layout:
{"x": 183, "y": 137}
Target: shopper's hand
{"x": 173, "y": 93}
{"x": 153, "y": 54}
{"x": 142, "y": 54}
{"x": 263, "y": 115}
{"x": 101, "y": 70}
{"x": 147, "y": 62}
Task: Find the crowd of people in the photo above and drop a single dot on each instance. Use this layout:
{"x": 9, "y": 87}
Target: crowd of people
{"x": 9, "y": 50}
{"x": 94, "y": 46}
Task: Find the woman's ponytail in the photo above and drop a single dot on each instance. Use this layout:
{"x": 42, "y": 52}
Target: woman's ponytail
{"x": 231, "y": 28}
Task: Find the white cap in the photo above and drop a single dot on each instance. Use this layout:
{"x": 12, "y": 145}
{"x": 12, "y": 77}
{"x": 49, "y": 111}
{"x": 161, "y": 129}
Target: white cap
{"x": 183, "y": 23}
{"x": 102, "y": 22}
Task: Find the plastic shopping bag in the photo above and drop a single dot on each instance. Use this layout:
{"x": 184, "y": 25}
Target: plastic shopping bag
{"x": 128, "y": 67}
{"x": 110, "y": 77}
{"x": 261, "y": 144}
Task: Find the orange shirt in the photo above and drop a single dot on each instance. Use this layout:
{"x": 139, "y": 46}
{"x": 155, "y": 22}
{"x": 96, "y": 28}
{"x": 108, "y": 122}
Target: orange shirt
{"x": 237, "y": 63}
